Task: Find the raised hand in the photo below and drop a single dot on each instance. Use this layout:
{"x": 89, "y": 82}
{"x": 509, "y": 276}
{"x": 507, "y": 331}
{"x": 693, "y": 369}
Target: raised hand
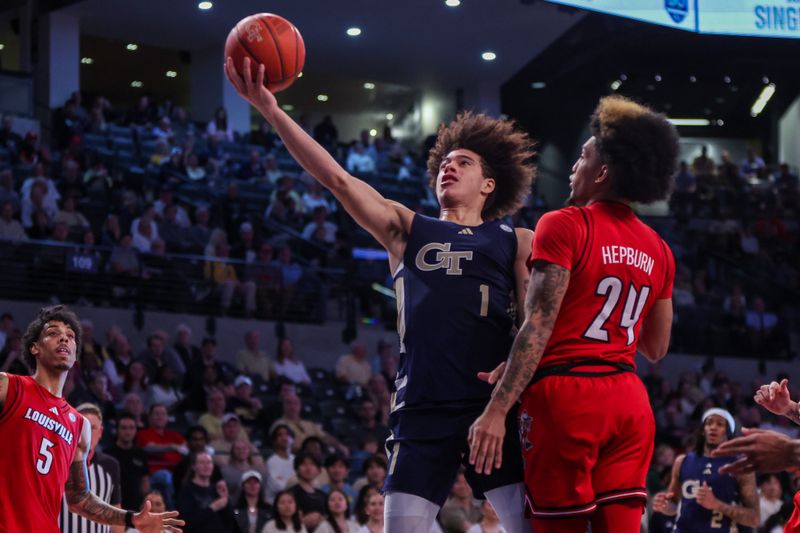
{"x": 253, "y": 91}
{"x": 705, "y": 497}
{"x": 663, "y": 502}
{"x": 774, "y": 397}
{"x": 147, "y": 522}
{"x": 763, "y": 451}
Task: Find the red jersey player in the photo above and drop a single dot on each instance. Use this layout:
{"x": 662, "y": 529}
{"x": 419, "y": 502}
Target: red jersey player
{"x": 600, "y": 289}
{"x": 46, "y": 441}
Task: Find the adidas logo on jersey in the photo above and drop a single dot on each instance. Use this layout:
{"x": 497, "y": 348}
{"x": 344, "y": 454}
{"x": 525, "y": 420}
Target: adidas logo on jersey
{"x": 54, "y": 410}
{"x": 466, "y": 231}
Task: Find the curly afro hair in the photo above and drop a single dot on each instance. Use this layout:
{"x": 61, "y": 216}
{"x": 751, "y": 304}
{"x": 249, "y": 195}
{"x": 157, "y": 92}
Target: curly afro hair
{"x": 54, "y": 313}
{"x": 506, "y": 154}
{"x": 639, "y": 146}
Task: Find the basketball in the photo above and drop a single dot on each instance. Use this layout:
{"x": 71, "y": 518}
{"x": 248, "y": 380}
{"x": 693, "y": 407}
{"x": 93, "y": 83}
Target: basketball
{"x": 271, "y": 40}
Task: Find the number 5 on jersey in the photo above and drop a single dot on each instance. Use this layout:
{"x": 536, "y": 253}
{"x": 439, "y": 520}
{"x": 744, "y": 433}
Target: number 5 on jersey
{"x": 44, "y": 462}
{"x": 611, "y": 287}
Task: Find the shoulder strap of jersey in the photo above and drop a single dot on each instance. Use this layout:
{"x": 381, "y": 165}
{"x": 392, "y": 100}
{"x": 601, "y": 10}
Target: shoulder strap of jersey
{"x": 587, "y": 220}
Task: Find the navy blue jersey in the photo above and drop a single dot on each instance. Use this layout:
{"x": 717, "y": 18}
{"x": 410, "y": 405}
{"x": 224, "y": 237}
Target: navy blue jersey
{"x": 455, "y": 311}
{"x": 692, "y": 517}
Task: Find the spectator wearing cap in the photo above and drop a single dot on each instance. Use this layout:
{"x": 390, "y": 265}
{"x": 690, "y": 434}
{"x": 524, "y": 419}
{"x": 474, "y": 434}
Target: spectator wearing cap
{"x": 232, "y": 431}
{"x": 242, "y": 458}
{"x": 287, "y": 365}
{"x": 215, "y": 411}
{"x": 243, "y": 403}
{"x": 280, "y": 465}
{"x": 252, "y": 359}
{"x": 250, "y": 513}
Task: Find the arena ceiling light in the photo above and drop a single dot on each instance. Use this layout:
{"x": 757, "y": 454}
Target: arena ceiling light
{"x": 2, "y": 46}
{"x": 389, "y": 116}
{"x": 538, "y": 85}
{"x": 287, "y": 107}
{"x": 205, "y": 6}
{"x": 132, "y": 47}
{"x": 172, "y": 74}
{"x": 373, "y": 132}
{"x": 322, "y": 97}
{"x": 369, "y": 86}
{"x": 762, "y": 100}
{"x": 136, "y": 84}
{"x": 489, "y": 56}
{"x": 690, "y": 121}
{"x": 354, "y": 31}
{"x": 452, "y": 3}
{"x": 616, "y": 84}
{"x": 87, "y": 61}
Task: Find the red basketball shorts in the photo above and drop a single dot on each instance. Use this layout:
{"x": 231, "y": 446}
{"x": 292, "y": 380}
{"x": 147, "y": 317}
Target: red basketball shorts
{"x": 793, "y": 525}
{"x": 586, "y": 441}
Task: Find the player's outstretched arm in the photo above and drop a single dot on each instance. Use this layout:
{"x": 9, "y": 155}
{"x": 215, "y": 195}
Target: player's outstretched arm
{"x": 81, "y": 501}
{"x": 546, "y": 290}
{"x": 654, "y": 335}
{"x": 386, "y": 220}
{"x": 666, "y": 502}
{"x": 748, "y": 513}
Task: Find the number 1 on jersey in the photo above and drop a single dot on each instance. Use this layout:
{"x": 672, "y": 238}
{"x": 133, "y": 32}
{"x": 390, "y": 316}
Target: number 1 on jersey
{"x": 484, "y": 299}
{"x": 611, "y": 287}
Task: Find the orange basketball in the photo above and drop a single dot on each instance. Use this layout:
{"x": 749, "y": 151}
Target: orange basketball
{"x": 271, "y": 40}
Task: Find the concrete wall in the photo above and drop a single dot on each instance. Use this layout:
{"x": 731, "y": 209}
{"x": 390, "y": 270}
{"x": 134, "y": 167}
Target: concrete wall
{"x": 789, "y": 135}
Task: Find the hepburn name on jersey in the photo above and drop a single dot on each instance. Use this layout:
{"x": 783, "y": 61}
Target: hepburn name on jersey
{"x": 626, "y": 255}
{"x": 49, "y": 424}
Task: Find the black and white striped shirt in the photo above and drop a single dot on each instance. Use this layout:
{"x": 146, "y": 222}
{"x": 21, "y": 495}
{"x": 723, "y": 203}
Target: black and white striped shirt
{"x": 104, "y": 483}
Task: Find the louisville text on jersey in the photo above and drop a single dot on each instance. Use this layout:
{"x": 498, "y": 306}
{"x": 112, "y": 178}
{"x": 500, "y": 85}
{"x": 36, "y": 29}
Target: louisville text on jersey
{"x": 49, "y": 424}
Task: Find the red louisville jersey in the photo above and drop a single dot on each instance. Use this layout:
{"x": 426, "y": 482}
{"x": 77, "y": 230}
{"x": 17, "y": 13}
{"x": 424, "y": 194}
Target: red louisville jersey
{"x": 618, "y": 267}
{"x": 38, "y": 436}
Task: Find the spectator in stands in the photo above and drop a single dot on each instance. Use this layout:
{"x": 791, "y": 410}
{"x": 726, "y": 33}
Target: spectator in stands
{"x": 11, "y": 357}
{"x": 132, "y": 461}
{"x": 203, "y": 504}
{"x": 264, "y": 136}
{"x": 287, "y": 365}
{"x": 762, "y": 326}
{"x": 223, "y": 274}
{"x": 144, "y": 229}
{"x": 302, "y": 428}
{"x": 374, "y": 514}
{"x": 748, "y": 242}
{"x": 310, "y": 500}
{"x": 232, "y": 208}
{"x": 354, "y": 366}
{"x": 232, "y": 431}
{"x": 6, "y": 327}
{"x": 283, "y": 209}
{"x": 315, "y": 197}
{"x": 182, "y": 124}
{"x": 136, "y": 381}
{"x": 770, "y": 496}
{"x": 35, "y": 201}
{"x": 243, "y": 456}
{"x": 218, "y": 127}
{"x": 212, "y": 419}
{"x": 97, "y": 393}
{"x": 10, "y": 228}
{"x": 158, "y": 354}
{"x": 166, "y": 198}
{"x": 124, "y": 262}
{"x": 320, "y": 230}
{"x": 163, "y": 153}
{"x": 141, "y": 114}
{"x": 267, "y": 278}
{"x": 337, "y": 514}
{"x": 246, "y": 249}
{"x": 164, "y": 448}
{"x": 703, "y": 165}
{"x": 338, "y": 470}
{"x": 252, "y": 359}
{"x": 461, "y": 511}
{"x": 752, "y": 166}
{"x": 326, "y": 133}
{"x": 368, "y": 421}
{"x": 206, "y": 365}
{"x": 315, "y": 447}
{"x": 70, "y": 216}
{"x": 119, "y": 358}
{"x": 287, "y": 193}
{"x": 243, "y": 403}
{"x": 134, "y": 405}
{"x": 196, "y": 441}
{"x": 97, "y": 121}
{"x": 254, "y": 168}
{"x": 251, "y": 513}
{"x": 272, "y": 171}
{"x": 374, "y": 473}
{"x": 280, "y": 465}
{"x": 291, "y": 273}
{"x": 163, "y": 390}
{"x": 10, "y": 139}
{"x": 7, "y": 192}
{"x": 659, "y": 475}
{"x": 188, "y": 352}
{"x": 360, "y": 508}
{"x": 194, "y": 171}
{"x": 358, "y": 161}
{"x": 287, "y": 515}
{"x": 71, "y": 181}
{"x": 40, "y": 226}
{"x": 171, "y": 231}
{"x": 163, "y": 130}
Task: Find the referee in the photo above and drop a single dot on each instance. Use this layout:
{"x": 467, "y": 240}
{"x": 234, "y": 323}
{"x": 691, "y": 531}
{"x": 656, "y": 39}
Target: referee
{"x": 103, "y": 480}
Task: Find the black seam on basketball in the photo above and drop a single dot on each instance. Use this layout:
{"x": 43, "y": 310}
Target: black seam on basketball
{"x": 277, "y": 49}
{"x": 253, "y": 59}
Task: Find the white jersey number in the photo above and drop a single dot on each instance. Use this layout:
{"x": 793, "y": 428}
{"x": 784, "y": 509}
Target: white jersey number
{"x": 44, "y": 463}
{"x": 611, "y": 287}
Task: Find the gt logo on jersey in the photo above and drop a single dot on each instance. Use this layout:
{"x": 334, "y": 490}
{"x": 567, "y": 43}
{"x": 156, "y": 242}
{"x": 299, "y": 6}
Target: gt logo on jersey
{"x": 451, "y": 261}
{"x": 689, "y": 487}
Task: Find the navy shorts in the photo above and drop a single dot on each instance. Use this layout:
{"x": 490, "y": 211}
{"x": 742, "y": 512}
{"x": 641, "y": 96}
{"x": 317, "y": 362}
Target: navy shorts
{"x": 427, "y": 466}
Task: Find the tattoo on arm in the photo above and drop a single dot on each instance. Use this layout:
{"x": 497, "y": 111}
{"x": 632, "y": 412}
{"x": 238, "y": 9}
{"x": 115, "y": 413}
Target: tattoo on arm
{"x": 86, "y": 504}
{"x": 548, "y": 283}
{"x": 794, "y": 414}
{"x": 748, "y": 513}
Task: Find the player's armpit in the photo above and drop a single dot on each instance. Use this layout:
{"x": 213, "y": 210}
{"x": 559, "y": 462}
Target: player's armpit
{"x": 656, "y": 329}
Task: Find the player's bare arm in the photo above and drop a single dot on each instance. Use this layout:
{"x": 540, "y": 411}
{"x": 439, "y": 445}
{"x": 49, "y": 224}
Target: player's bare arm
{"x": 81, "y": 501}
{"x": 761, "y": 451}
{"x": 389, "y": 222}
{"x": 667, "y": 502}
{"x": 749, "y": 512}
{"x": 3, "y": 389}
{"x": 548, "y": 284}
{"x": 521, "y": 273}
{"x": 656, "y": 328}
